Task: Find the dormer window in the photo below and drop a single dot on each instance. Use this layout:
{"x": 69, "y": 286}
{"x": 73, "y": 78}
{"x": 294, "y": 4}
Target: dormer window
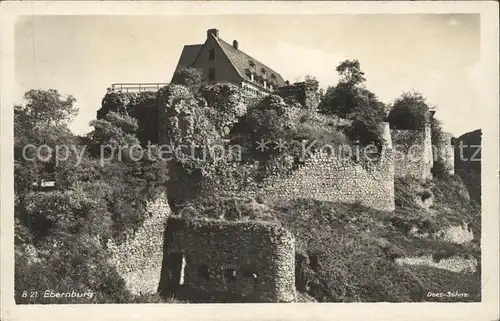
{"x": 251, "y": 63}
{"x": 263, "y": 70}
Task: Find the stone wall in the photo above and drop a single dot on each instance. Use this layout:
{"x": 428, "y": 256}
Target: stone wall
{"x": 228, "y": 261}
{"x": 326, "y": 178}
{"x": 445, "y": 153}
{"x": 412, "y": 153}
{"x": 468, "y": 162}
{"x": 299, "y": 115}
{"x": 139, "y": 258}
{"x": 299, "y": 92}
{"x": 331, "y": 178}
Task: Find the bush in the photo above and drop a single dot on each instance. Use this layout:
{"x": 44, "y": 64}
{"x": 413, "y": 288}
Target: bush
{"x": 338, "y": 261}
{"x": 67, "y": 264}
{"x": 310, "y": 132}
{"x": 439, "y": 168}
{"x": 91, "y": 202}
{"x": 266, "y": 122}
{"x": 437, "y": 132}
{"x": 188, "y": 76}
{"x": 409, "y": 111}
{"x": 228, "y": 208}
{"x": 346, "y": 253}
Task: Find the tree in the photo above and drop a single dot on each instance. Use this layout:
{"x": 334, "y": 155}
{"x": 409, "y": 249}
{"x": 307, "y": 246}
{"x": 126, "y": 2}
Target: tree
{"x": 312, "y": 83}
{"x": 409, "y": 111}
{"x": 47, "y": 107}
{"x": 350, "y": 73}
{"x": 42, "y": 120}
{"x": 114, "y": 131}
{"x": 91, "y": 202}
{"x": 349, "y": 98}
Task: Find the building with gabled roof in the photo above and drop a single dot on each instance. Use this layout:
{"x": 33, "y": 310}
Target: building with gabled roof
{"x": 222, "y": 62}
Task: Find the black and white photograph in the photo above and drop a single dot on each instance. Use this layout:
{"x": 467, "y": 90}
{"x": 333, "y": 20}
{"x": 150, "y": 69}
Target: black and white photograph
{"x": 191, "y": 153}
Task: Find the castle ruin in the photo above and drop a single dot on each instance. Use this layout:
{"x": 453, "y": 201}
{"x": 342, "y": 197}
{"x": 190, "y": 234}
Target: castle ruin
{"x": 228, "y": 261}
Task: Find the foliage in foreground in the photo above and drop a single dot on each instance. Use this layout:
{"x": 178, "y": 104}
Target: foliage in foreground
{"x": 61, "y": 232}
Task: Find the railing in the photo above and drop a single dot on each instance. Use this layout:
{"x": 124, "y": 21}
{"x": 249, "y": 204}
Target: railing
{"x": 137, "y": 87}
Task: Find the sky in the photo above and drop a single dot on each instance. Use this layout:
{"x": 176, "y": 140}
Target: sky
{"x": 435, "y": 54}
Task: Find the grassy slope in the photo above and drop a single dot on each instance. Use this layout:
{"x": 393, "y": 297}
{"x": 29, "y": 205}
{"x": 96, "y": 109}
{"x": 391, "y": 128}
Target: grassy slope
{"x": 351, "y": 249}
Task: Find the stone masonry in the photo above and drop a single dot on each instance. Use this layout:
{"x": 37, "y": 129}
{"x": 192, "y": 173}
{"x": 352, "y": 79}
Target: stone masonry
{"x": 139, "y": 258}
{"x": 330, "y": 178}
{"x": 445, "y": 153}
{"x": 230, "y": 261}
{"x": 413, "y": 154}
{"x": 299, "y": 92}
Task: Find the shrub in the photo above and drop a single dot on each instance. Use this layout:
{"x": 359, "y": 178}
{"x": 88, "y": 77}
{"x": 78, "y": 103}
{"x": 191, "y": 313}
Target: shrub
{"x": 69, "y": 264}
{"x": 437, "y": 135}
{"x": 350, "y": 99}
{"x": 90, "y": 203}
{"x": 409, "y": 111}
{"x": 311, "y": 132}
{"x": 337, "y": 260}
{"x": 229, "y": 208}
{"x": 266, "y": 122}
{"x": 188, "y": 76}
{"x": 347, "y": 253}
{"x": 439, "y": 169}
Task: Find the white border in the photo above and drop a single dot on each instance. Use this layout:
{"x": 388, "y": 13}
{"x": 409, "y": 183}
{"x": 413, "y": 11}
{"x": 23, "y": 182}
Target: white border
{"x": 486, "y": 310}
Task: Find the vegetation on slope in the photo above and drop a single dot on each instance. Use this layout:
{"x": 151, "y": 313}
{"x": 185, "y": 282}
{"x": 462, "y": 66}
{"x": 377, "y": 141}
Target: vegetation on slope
{"x": 61, "y": 232}
{"x": 344, "y": 252}
{"x": 348, "y": 253}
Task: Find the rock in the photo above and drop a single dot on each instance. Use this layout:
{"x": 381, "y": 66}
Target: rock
{"x": 455, "y": 234}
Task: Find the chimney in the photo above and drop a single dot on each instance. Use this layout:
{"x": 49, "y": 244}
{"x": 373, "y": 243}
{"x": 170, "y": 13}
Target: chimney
{"x": 213, "y": 32}
{"x": 235, "y": 44}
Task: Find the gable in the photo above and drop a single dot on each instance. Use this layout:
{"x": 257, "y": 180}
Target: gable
{"x": 225, "y": 71}
{"x": 230, "y": 64}
{"x": 241, "y": 61}
{"x": 188, "y": 55}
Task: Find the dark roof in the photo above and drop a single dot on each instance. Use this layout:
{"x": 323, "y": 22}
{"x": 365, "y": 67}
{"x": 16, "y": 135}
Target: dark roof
{"x": 188, "y": 55}
{"x": 242, "y": 63}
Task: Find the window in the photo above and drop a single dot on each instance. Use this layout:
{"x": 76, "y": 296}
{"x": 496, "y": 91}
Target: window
{"x": 211, "y": 54}
{"x": 211, "y": 74}
{"x": 252, "y": 66}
